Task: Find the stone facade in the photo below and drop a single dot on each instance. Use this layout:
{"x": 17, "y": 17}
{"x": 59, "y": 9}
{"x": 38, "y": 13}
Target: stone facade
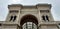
{"x": 39, "y": 14}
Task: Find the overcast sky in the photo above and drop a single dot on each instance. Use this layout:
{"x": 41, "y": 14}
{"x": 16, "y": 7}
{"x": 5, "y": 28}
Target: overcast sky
{"x": 55, "y": 10}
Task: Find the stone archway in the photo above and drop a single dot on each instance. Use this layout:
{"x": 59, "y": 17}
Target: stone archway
{"x": 29, "y": 19}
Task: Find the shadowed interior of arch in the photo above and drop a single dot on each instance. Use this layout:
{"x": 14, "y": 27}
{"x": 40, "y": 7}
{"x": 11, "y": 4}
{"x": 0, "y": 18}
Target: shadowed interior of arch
{"x": 28, "y": 18}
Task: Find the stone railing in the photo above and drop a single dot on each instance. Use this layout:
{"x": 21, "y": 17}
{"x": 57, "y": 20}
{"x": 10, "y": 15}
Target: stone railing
{"x": 6, "y": 22}
{"x": 50, "y": 23}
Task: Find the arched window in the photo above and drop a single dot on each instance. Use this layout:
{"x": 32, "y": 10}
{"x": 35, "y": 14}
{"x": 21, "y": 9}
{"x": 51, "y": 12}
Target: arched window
{"x": 45, "y": 18}
{"x": 0, "y": 24}
{"x": 13, "y": 18}
{"x": 59, "y": 23}
{"x": 29, "y": 22}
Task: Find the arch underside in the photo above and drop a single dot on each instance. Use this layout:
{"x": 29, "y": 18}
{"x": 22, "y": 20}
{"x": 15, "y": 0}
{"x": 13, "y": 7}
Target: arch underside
{"x": 28, "y": 18}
